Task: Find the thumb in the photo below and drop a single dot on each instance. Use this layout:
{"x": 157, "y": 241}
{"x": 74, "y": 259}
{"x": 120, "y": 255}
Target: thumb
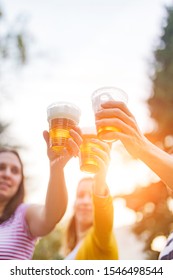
{"x": 46, "y": 136}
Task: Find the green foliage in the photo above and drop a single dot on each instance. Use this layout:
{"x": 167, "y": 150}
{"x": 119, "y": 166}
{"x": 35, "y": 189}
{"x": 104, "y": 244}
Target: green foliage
{"x": 3, "y": 127}
{"x": 48, "y": 248}
{"x": 161, "y": 103}
{"x": 154, "y": 218}
{"x": 13, "y": 49}
{"x": 13, "y": 40}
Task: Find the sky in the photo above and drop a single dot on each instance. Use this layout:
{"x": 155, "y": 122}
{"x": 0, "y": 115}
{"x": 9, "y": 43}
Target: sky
{"x": 76, "y": 47}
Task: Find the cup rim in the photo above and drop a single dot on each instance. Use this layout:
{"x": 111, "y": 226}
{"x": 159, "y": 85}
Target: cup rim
{"x": 102, "y": 89}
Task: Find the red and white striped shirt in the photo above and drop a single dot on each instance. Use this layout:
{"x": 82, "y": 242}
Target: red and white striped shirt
{"x": 16, "y": 243}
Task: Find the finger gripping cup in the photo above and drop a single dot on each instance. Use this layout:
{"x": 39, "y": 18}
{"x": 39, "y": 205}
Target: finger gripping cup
{"x": 62, "y": 116}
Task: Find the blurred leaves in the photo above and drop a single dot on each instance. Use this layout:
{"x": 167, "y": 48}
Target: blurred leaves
{"x": 153, "y": 215}
{"x": 48, "y": 248}
{"x": 154, "y": 193}
{"x": 151, "y": 204}
{"x": 161, "y": 102}
{"x": 14, "y": 49}
{"x": 14, "y": 39}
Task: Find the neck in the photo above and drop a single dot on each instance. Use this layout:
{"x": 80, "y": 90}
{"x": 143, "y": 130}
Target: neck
{"x": 2, "y": 207}
{"x": 81, "y": 231}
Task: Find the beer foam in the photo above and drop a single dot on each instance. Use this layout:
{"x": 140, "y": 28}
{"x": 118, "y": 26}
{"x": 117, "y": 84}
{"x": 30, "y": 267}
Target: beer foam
{"x": 63, "y": 110}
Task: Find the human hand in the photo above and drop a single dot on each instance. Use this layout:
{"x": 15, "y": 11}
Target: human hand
{"x": 117, "y": 114}
{"x": 68, "y": 152}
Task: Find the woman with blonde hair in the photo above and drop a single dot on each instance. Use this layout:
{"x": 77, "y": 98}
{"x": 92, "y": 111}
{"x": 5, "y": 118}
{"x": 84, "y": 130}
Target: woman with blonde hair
{"x": 89, "y": 234}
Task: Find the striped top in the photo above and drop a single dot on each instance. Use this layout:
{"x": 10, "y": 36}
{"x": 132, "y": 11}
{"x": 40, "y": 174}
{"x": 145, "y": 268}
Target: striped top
{"x": 16, "y": 242}
{"x": 167, "y": 253}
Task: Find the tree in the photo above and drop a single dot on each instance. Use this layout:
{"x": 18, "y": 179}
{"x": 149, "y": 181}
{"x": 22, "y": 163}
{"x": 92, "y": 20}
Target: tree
{"x": 13, "y": 49}
{"x": 151, "y": 204}
{"x": 13, "y": 40}
{"x": 48, "y": 248}
{"x": 153, "y": 216}
{"x": 161, "y": 102}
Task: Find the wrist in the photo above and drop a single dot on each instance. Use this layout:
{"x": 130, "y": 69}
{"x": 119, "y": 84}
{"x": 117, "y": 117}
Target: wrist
{"x": 56, "y": 164}
{"x": 141, "y": 148}
{"x": 148, "y": 149}
{"x": 99, "y": 186}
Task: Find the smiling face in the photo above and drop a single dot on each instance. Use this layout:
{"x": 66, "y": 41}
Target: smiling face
{"x": 83, "y": 204}
{"x": 10, "y": 175}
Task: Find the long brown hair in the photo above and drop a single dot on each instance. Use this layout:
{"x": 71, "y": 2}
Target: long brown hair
{"x": 71, "y": 234}
{"x": 18, "y": 198}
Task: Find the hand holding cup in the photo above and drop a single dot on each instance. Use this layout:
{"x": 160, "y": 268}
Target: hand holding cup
{"x": 99, "y": 98}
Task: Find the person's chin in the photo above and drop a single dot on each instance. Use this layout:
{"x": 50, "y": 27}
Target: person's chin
{"x": 3, "y": 191}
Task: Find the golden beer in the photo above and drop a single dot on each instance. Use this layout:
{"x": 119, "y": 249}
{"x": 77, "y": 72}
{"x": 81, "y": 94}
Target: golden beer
{"x": 99, "y": 97}
{"x": 87, "y": 160}
{"x": 104, "y": 133}
{"x": 59, "y": 133}
{"x": 62, "y": 117}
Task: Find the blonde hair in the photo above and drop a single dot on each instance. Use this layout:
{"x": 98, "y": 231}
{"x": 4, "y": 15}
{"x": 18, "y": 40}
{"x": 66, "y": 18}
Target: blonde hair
{"x": 71, "y": 234}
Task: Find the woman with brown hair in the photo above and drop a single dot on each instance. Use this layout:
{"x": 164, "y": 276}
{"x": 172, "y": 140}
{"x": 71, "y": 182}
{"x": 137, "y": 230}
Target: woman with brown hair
{"x": 21, "y": 223}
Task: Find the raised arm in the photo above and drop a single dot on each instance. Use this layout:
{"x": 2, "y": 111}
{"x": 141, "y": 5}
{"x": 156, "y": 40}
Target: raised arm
{"x": 103, "y": 205}
{"x": 100, "y": 187}
{"x": 42, "y": 219}
{"x": 103, "y": 234}
{"x": 117, "y": 114}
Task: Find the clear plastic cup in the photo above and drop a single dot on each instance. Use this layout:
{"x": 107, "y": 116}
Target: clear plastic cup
{"x": 99, "y": 97}
{"x": 87, "y": 161}
{"x": 61, "y": 116}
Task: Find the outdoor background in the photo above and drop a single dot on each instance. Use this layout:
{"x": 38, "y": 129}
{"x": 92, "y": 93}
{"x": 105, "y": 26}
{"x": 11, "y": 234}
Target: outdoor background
{"x": 64, "y": 50}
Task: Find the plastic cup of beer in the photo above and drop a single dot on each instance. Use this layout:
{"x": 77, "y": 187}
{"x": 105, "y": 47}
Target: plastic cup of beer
{"x": 99, "y": 97}
{"x": 86, "y": 156}
{"x": 61, "y": 116}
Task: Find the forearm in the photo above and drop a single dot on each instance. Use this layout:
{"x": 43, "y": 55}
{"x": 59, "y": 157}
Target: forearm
{"x": 100, "y": 187}
{"x": 103, "y": 218}
{"x": 158, "y": 160}
{"x": 41, "y": 219}
{"x": 103, "y": 207}
{"x": 56, "y": 198}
